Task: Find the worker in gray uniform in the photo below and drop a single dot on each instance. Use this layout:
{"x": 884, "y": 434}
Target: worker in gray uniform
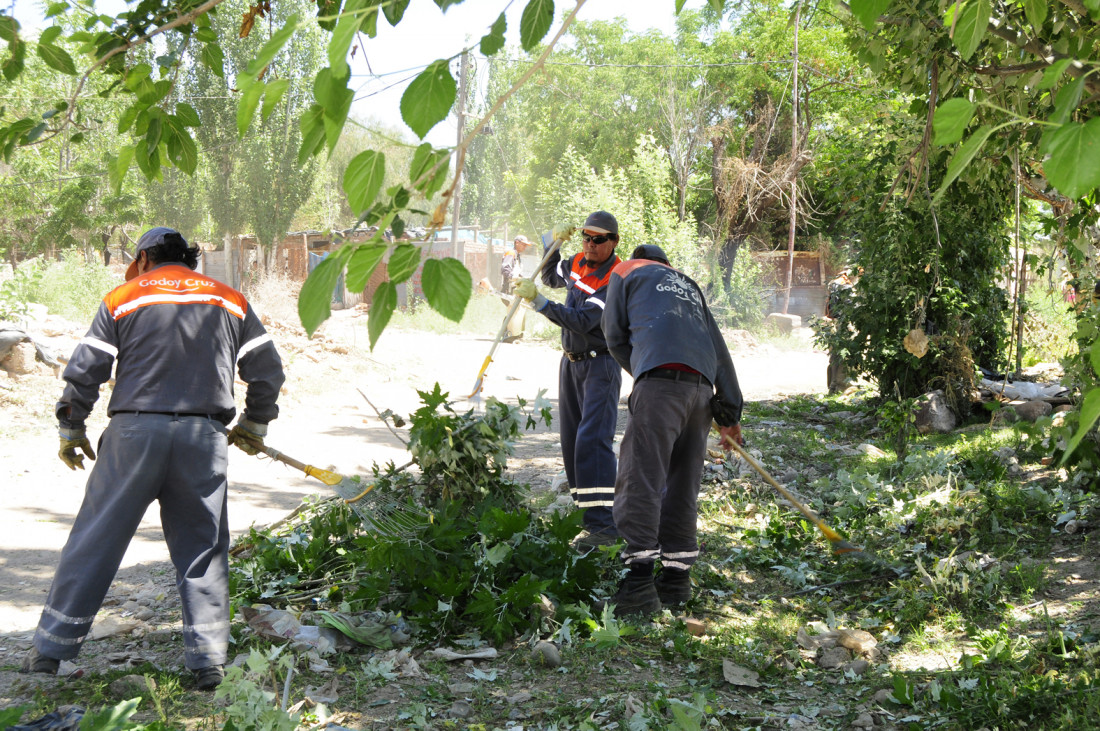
{"x": 659, "y": 329}
{"x": 175, "y": 338}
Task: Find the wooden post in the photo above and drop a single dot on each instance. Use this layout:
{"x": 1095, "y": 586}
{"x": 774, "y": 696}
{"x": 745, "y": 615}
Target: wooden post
{"x": 461, "y": 114}
{"x": 794, "y": 158}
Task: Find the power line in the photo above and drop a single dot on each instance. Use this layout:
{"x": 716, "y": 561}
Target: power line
{"x": 777, "y": 62}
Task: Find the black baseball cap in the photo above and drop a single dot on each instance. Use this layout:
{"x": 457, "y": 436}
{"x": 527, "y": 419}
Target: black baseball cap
{"x": 153, "y": 237}
{"x": 601, "y": 222}
{"x": 651, "y": 252}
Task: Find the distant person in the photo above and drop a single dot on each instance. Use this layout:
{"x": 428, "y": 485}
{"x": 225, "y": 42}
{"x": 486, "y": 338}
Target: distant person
{"x": 838, "y": 296}
{"x": 511, "y": 271}
{"x": 175, "y": 339}
{"x": 511, "y": 264}
{"x": 660, "y": 330}
{"x": 589, "y": 379}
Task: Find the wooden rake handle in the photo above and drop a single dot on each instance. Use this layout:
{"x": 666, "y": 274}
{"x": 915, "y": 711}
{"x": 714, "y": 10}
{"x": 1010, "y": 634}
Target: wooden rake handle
{"x": 329, "y": 478}
{"x": 828, "y": 532}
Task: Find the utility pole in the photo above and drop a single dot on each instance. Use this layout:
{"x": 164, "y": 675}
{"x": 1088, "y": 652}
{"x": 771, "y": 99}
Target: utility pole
{"x": 461, "y": 113}
{"x": 794, "y": 158}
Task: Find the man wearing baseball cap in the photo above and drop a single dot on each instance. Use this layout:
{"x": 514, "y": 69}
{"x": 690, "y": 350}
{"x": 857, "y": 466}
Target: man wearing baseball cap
{"x": 589, "y": 378}
{"x": 511, "y": 264}
{"x": 511, "y": 270}
{"x": 659, "y": 328}
{"x": 174, "y": 338}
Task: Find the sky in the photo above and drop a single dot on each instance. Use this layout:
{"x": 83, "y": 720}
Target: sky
{"x": 425, "y": 34}
{"x": 442, "y": 35}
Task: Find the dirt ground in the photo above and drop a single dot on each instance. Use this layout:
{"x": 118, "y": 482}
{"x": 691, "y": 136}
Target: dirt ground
{"x": 324, "y": 420}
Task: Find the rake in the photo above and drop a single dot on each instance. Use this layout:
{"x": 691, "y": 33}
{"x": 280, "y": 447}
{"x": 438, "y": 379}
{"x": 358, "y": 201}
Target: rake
{"x": 380, "y": 514}
{"x": 840, "y": 546}
{"x": 511, "y": 311}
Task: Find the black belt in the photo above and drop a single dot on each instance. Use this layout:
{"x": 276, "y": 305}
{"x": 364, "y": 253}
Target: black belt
{"x": 166, "y": 413}
{"x": 673, "y": 374}
{"x": 585, "y": 355}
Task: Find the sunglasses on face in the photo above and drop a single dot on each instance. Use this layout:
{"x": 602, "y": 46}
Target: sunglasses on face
{"x": 599, "y": 239}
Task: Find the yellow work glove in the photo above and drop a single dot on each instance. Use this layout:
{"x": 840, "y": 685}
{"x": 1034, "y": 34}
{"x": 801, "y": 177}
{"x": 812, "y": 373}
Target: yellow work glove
{"x": 248, "y": 436}
{"x": 72, "y": 440}
{"x": 526, "y": 289}
{"x": 564, "y": 233}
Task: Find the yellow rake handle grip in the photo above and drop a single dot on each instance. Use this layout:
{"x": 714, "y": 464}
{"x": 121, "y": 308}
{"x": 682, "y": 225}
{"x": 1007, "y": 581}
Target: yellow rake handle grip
{"x": 828, "y": 532}
{"x": 329, "y": 478}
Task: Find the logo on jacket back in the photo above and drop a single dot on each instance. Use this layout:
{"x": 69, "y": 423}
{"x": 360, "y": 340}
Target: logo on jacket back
{"x": 163, "y": 284}
{"x": 680, "y": 286}
{"x": 173, "y": 285}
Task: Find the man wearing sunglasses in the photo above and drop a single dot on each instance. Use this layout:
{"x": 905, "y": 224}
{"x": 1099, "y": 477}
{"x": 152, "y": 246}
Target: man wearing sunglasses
{"x": 588, "y": 378}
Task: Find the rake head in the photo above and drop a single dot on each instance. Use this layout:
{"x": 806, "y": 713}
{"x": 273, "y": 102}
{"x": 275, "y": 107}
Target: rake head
{"x": 381, "y": 514}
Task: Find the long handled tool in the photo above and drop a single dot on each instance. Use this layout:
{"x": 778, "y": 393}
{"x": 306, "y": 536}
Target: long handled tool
{"x": 511, "y": 311}
{"x": 840, "y": 546}
{"x": 380, "y": 514}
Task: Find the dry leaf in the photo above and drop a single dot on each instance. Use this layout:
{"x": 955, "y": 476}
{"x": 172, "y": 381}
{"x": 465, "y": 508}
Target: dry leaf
{"x": 916, "y": 342}
{"x": 439, "y": 216}
{"x": 737, "y": 675}
{"x": 249, "y": 18}
{"x": 633, "y": 707}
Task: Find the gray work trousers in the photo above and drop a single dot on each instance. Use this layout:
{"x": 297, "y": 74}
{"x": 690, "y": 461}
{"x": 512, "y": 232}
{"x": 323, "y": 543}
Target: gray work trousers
{"x": 660, "y": 467}
{"x": 179, "y": 461}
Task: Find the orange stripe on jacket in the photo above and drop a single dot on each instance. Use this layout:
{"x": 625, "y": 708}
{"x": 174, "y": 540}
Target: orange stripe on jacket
{"x": 173, "y": 285}
{"x": 626, "y": 267}
{"x": 586, "y": 274}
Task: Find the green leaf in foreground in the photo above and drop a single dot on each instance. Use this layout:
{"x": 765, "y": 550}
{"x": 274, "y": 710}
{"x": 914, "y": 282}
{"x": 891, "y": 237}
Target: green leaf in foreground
{"x": 424, "y": 159}
{"x": 536, "y": 20}
{"x": 971, "y": 25}
{"x": 493, "y": 41}
{"x": 867, "y": 12}
{"x": 363, "y": 179}
{"x": 447, "y": 285}
{"x": 382, "y": 306}
{"x": 362, "y": 264}
{"x": 57, "y": 58}
{"x": 963, "y": 156}
{"x": 1090, "y": 412}
{"x": 1054, "y": 72}
{"x": 403, "y": 262}
{"x": 1036, "y": 12}
{"x": 314, "y": 302}
{"x": 429, "y": 98}
{"x": 951, "y": 120}
{"x": 1094, "y": 357}
{"x": 1074, "y": 164}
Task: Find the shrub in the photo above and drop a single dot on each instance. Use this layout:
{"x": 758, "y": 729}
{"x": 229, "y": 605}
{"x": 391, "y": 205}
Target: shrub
{"x": 73, "y": 288}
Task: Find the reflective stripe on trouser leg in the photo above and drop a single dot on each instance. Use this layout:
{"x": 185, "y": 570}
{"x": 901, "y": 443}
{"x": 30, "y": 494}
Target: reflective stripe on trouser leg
{"x": 588, "y": 403}
{"x": 660, "y": 465}
{"x": 123, "y": 482}
{"x": 196, "y": 528}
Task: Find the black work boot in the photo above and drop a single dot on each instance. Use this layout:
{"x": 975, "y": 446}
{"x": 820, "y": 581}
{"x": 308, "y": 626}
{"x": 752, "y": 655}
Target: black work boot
{"x": 36, "y": 662}
{"x": 673, "y": 586}
{"x": 209, "y": 677}
{"x": 636, "y": 595}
